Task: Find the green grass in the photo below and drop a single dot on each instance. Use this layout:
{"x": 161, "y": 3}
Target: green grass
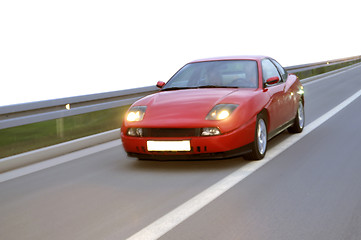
{"x": 28, "y": 137}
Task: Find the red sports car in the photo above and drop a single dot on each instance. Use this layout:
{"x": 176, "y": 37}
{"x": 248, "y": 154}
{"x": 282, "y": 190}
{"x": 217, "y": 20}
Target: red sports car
{"x": 216, "y": 108}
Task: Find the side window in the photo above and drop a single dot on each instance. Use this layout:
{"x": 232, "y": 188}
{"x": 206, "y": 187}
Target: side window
{"x": 269, "y": 70}
{"x": 281, "y": 70}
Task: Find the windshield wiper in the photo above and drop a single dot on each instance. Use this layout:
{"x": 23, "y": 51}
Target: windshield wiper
{"x": 176, "y": 88}
{"x": 209, "y": 86}
{"x": 204, "y": 86}
{"x": 216, "y": 86}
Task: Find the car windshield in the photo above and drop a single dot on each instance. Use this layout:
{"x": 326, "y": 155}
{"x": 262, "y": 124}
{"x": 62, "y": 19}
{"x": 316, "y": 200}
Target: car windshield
{"x": 215, "y": 74}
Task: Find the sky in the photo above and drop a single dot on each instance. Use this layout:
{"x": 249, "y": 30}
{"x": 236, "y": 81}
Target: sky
{"x": 54, "y": 49}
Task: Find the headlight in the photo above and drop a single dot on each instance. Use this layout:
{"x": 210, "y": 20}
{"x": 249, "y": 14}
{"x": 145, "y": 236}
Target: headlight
{"x": 136, "y": 114}
{"x": 213, "y": 131}
{"x": 135, "y": 132}
{"x": 301, "y": 91}
{"x": 221, "y": 111}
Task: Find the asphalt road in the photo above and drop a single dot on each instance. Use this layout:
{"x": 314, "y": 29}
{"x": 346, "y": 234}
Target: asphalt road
{"x": 312, "y": 190}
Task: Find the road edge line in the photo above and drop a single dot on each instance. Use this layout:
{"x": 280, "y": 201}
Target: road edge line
{"x": 43, "y": 154}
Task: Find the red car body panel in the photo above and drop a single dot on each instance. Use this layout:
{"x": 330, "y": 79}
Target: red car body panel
{"x": 188, "y": 108}
{"x": 282, "y": 104}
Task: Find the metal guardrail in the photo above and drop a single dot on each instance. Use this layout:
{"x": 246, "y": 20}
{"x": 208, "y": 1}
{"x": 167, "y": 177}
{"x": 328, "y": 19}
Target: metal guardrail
{"x": 311, "y": 66}
{"x": 303, "y": 67}
{"x": 26, "y": 113}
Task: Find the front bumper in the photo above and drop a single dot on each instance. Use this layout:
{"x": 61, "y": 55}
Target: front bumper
{"x": 227, "y": 145}
{"x": 194, "y": 156}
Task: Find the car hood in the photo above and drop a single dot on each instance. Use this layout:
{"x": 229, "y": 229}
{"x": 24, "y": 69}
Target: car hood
{"x": 188, "y": 107}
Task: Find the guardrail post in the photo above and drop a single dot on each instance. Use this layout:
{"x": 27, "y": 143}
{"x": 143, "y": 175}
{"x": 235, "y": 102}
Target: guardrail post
{"x": 60, "y": 127}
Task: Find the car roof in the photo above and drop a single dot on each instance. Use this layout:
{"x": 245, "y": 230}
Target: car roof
{"x": 243, "y": 57}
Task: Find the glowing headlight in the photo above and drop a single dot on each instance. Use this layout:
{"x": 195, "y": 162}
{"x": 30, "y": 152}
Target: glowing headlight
{"x": 221, "y": 111}
{"x": 223, "y": 115}
{"x": 136, "y": 114}
{"x": 301, "y": 91}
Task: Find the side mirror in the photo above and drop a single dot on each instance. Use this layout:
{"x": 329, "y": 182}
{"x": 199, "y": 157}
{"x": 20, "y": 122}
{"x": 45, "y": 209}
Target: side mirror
{"x": 160, "y": 84}
{"x": 272, "y": 80}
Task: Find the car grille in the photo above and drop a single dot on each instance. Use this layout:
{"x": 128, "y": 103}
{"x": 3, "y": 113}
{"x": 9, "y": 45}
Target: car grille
{"x": 171, "y": 132}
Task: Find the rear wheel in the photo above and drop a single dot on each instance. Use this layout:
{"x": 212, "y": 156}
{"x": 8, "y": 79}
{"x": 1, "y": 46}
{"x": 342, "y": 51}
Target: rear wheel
{"x": 299, "y": 122}
{"x": 259, "y": 145}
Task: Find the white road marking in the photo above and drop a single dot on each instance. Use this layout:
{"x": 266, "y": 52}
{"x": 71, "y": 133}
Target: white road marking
{"x": 166, "y": 223}
{"x": 57, "y": 160}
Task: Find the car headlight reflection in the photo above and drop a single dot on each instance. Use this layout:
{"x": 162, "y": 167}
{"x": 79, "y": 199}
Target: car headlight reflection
{"x": 301, "y": 91}
{"x": 136, "y": 114}
{"x": 221, "y": 111}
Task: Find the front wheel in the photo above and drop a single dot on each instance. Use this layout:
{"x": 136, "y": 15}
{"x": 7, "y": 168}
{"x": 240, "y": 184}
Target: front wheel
{"x": 259, "y": 145}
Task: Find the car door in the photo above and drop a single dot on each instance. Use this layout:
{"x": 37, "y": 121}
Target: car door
{"x": 291, "y": 103}
{"x": 279, "y": 106}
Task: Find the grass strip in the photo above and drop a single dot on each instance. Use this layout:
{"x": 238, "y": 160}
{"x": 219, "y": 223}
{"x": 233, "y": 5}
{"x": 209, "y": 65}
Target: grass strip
{"x": 28, "y": 137}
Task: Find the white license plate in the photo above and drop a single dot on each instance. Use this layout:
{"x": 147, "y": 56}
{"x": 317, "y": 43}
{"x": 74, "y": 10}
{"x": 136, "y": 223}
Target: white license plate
{"x": 169, "y": 146}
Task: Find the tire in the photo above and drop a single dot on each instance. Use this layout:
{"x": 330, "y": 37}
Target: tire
{"x": 299, "y": 122}
{"x": 259, "y": 145}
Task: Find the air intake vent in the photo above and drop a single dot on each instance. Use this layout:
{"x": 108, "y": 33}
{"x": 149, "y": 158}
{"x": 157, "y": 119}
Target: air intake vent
{"x": 171, "y": 132}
